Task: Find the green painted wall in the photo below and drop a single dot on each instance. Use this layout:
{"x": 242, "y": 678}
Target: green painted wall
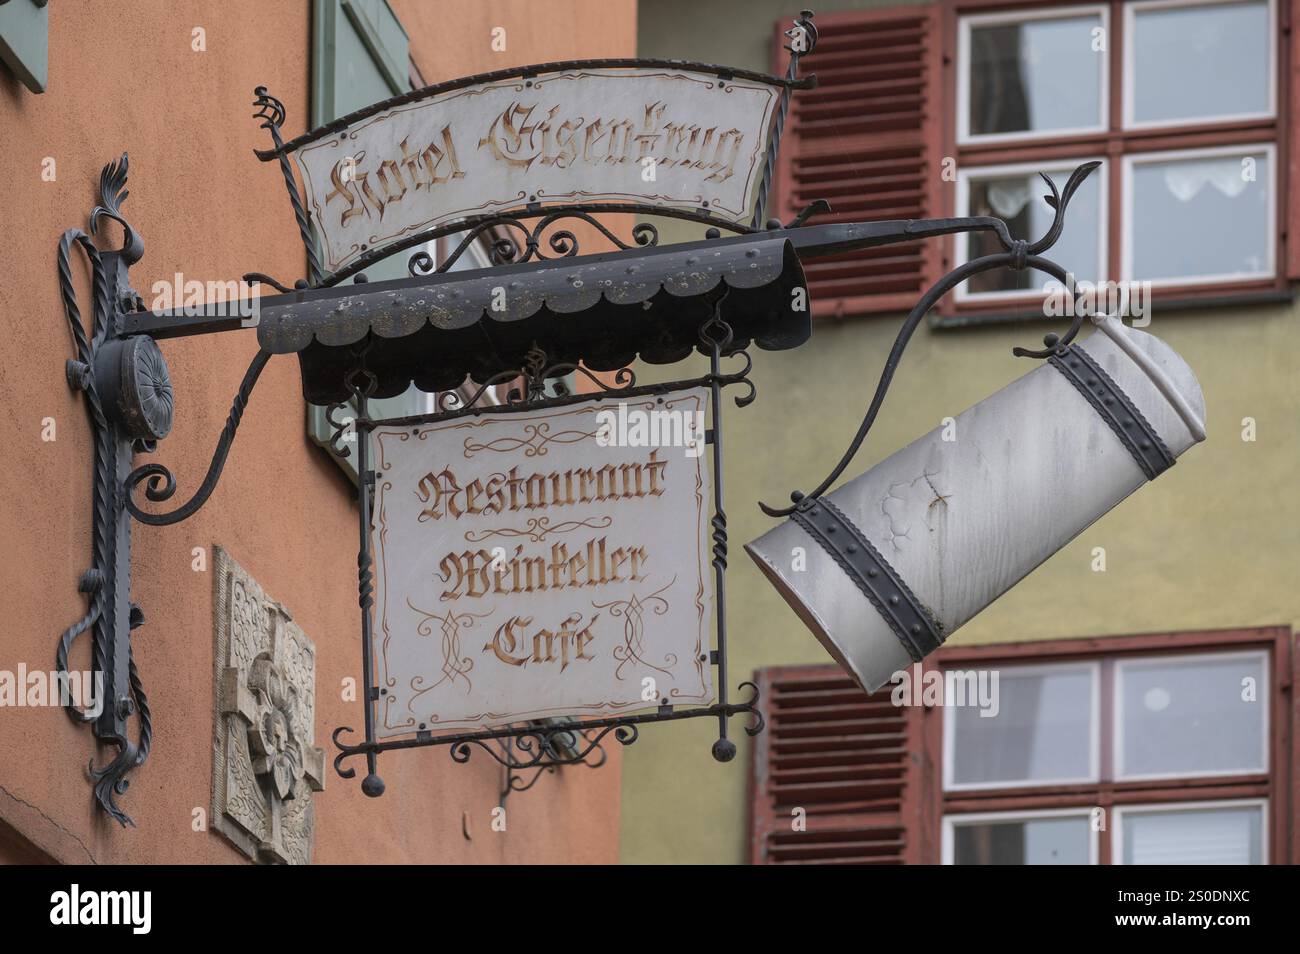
{"x": 1213, "y": 543}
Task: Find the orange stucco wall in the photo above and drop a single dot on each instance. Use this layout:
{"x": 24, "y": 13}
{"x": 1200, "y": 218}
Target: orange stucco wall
{"x": 123, "y": 76}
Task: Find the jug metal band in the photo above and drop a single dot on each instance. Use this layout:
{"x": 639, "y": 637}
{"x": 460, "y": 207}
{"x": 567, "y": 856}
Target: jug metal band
{"x": 1115, "y": 408}
{"x": 877, "y": 580}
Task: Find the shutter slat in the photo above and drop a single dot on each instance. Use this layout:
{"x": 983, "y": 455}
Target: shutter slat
{"x": 837, "y": 758}
{"x": 860, "y": 141}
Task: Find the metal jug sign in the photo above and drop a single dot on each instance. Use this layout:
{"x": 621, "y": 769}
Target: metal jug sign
{"x": 891, "y": 564}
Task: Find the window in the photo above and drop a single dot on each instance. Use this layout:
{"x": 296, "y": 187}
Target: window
{"x": 1190, "y": 715}
{"x": 1188, "y": 145}
{"x": 1031, "y": 74}
{"x": 1203, "y": 833}
{"x": 951, "y": 108}
{"x": 1169, "y": 748}
{"x": 1013, "y": 193}
{"x": 24, "y": 41}
{"x": 1029, "y": 838}
{"x": 1171, "y": 44}
{"x": 1221, "y": 199}
{"x": 1045, "y": 731}
{"x": 360, "y": 55}
{"x": 1171, "y": 724}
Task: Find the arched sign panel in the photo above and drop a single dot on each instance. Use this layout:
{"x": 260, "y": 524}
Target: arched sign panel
{"x": 656, "y": 135}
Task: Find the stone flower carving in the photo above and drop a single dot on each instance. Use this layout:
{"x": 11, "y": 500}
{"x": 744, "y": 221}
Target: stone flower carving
{"x": 277, "y": 754}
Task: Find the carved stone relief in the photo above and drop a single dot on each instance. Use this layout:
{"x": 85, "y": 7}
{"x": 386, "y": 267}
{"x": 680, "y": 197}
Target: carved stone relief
{"x": 265, "y": 764}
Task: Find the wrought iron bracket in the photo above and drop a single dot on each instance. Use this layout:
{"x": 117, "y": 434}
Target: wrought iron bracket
{"x": 128, "y": 395}
{"x": 121, "y": 371}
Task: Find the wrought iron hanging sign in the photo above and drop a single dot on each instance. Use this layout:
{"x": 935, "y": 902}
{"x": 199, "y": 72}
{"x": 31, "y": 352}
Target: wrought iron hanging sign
{"x": 535, "y": 560}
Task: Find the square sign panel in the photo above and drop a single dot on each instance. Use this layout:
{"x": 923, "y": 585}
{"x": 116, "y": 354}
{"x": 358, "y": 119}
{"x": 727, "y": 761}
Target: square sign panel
{"x": 542, "y": 563}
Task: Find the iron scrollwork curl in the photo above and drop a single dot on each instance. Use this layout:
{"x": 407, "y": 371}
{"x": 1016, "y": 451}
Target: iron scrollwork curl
{"x": 505, "y": 249}
{"x": 539, "y": 743}
{"x": 531, "y": 382}
{"x": 161, "y": 485}
{"x": 546, "y": 746}
{"x": 1018, "y": 254}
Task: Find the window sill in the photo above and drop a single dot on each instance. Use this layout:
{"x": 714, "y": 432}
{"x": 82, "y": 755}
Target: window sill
{"x": 1172, "y": 300}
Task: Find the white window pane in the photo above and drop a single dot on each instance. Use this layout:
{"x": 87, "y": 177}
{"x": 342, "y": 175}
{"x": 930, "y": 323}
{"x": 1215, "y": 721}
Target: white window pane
{"x": 1017, "y": 199}
{"x": 1035, "y": 76}
{"x": 1042, "y": 732}
{"x": 1205, "y": 836}
{"x": 1027, "y": 841}
{"x": 1189, "y": 717}
{"x": 1202, "y": 217}
{"x": 1180, "y": 62}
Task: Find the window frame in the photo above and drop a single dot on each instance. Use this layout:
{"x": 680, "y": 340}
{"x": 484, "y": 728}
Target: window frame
{"x": 1064, "y": 11}
{"x": 1276, "y": 786}
{"x": 1129, "y": 160}
{"x": 1117, "y": 142}
{"x": 25, "y": 42}
{"x": 965, "y": 174}
{"x": 951, "y": 822}
{"x": 1117, "y": 738}
{"x": 921, "y": 803}
{"x": 1095, "y": 729}
{"x": 1130, "y": 20}
{"x": 1117, "y": 821}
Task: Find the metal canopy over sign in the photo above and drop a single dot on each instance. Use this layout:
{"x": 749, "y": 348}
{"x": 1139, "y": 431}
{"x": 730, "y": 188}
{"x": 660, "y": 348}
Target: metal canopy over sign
{"x": 528, "y": 565}
{"x": 662, "y": 135}
{"x": 597, "y": 309}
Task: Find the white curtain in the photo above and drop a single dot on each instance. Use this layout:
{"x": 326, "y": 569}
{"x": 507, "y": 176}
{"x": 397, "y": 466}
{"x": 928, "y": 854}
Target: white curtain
{"x": 1008, "y": 197}
{"x": 1185, "y": 180}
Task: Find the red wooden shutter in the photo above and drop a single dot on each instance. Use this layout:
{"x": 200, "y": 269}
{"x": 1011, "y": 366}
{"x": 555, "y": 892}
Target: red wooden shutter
{"x": 866, "y": 140}
{"x": 855, "y": 763}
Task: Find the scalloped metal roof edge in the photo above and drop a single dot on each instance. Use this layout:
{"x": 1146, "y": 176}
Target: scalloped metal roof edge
{"x": 459, "y": 299}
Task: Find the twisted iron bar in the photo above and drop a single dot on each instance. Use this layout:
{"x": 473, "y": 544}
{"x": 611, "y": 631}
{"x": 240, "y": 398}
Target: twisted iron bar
{"x": 271, "y": 111}
{"x": 156, "y": 473}
{"x": 1018, "y": 254}
{"x": 363, "y": 384}
{"x": 504, "y": 250}
{"x": 803, "y": 26}
{"x": 81, "y": 376}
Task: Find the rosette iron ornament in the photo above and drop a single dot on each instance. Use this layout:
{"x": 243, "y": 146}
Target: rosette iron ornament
{"x": 900, "y": 557}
